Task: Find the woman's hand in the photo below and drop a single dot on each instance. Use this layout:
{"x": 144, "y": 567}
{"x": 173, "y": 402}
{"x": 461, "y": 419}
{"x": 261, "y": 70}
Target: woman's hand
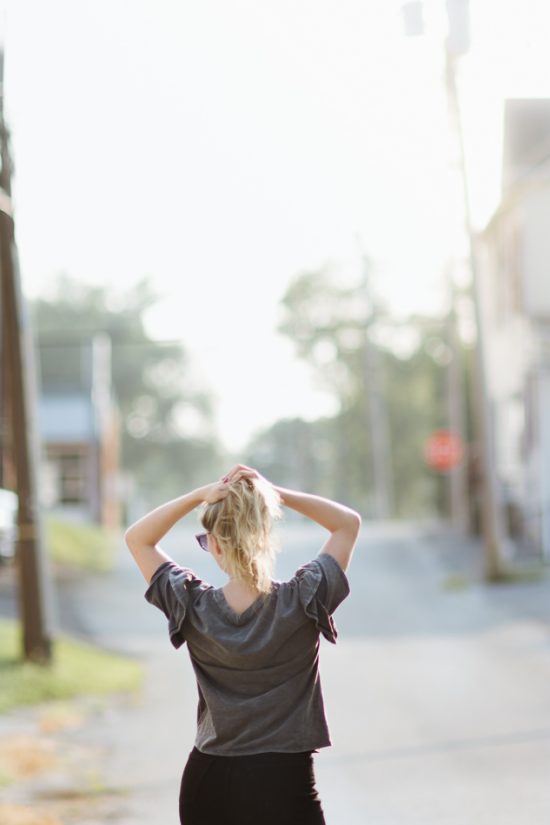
{"x": 219, "y": 489}
{"x": 216, "y": 491}
{"x": 242, "y": 471}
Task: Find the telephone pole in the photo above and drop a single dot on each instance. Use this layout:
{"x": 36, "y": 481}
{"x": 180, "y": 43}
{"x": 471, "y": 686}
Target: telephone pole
{"x": 458, "y": 496}
{"x": 457, "y": 44}
{"x": 377, "y": 412}
{"x": 18, "y": 407}
{"x": 491, "y": 514}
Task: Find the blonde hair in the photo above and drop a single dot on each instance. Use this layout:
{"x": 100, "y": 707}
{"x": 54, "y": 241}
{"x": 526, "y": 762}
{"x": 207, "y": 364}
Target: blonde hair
{"x": 241, "y": 524}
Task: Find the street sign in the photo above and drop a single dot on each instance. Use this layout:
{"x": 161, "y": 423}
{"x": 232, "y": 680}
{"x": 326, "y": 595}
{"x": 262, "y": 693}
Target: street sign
{"x": 443, "y": 450}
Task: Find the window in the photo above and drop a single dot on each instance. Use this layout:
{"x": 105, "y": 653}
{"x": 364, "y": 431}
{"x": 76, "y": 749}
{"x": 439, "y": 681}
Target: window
{"x": 72, "y": 478}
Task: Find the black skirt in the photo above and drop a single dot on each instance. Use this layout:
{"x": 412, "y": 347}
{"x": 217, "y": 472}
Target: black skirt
{"x": 266, "y": 788}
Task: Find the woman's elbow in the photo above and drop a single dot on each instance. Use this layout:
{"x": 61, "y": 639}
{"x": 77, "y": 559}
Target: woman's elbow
{"x": 355, "y": 521}
{"x": 130, "y": 537}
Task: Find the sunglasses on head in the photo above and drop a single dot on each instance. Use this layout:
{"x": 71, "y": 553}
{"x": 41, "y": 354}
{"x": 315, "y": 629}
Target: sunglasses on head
{"x": 202, "y": 539}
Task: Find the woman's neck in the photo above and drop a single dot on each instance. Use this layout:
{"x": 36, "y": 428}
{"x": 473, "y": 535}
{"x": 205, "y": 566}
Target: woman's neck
{"x": 240, "y": 586}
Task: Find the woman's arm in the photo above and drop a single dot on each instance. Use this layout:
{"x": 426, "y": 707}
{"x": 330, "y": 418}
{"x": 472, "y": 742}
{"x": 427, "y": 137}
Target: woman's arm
{"x": 143, "y": 536}
{"x": 342, "y": 522}
{"x": 329, "y": 514}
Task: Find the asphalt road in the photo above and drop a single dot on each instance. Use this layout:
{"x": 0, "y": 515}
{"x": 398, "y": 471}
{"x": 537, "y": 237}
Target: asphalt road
{"x": 438, "y": 699}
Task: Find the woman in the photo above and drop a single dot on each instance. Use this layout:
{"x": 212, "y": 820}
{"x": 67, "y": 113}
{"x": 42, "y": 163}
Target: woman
{"x": 254, "y": 647}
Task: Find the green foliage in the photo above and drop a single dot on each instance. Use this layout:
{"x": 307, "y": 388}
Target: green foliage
{"x": 151, "y": 384}
{"x": 326, "y": 322}
{"x": 82, "y": 546}
{"x": 77, "y": 668}
{"x": 329, "y": 323}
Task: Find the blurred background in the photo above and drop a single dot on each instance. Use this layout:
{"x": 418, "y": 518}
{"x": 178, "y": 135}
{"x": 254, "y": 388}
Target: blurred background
{"x": 243, "y": 235}
{"x": 309, "y": 237}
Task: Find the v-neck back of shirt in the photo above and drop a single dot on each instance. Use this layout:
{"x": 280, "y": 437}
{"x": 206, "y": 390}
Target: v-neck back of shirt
{"x": 233, "y": 615}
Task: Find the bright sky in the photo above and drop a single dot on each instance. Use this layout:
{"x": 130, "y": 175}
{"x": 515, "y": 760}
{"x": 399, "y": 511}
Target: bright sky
{"x": 223, "y": 147}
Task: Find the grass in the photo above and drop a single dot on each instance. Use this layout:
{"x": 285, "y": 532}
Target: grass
{"x": 77, "y": 669}
{"x": 519, "y": 574}
{"x": 456, "y": 581}
{"x": 81, "y": 546}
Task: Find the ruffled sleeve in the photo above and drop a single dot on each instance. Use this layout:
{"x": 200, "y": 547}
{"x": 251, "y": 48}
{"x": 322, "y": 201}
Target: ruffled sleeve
{"x": 171, "y": 589}
{"x": 322, "y": 586}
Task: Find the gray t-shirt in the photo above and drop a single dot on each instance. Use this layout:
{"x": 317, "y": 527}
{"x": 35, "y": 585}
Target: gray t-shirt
{"x": 258, "y": 671}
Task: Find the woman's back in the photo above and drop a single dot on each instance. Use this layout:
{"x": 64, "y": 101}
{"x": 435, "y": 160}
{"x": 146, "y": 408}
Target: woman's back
{"x": 257, "y": 670}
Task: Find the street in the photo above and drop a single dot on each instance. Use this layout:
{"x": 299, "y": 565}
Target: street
{"x": 437, "y": 698}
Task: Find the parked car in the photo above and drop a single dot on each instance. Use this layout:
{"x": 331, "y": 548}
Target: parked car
{"x": 8, "y": 524}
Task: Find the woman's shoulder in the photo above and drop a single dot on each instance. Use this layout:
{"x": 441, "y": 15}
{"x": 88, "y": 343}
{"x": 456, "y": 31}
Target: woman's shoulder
{"x": 314, "y": 593}
{"x": 322, "y": 566}
{"x": 182, "y": 580}
{"x": 307, "y": 579}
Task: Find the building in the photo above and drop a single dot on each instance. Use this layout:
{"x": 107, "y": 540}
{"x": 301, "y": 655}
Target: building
{"x": 79, "y": 430}
{"x": 514, "y": 263}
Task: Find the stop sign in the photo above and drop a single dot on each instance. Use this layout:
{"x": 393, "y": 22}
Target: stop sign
{"x": 443, "y": 450}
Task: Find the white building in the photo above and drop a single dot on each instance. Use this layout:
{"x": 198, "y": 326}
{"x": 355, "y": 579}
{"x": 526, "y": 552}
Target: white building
{"x": 514, "y": 258}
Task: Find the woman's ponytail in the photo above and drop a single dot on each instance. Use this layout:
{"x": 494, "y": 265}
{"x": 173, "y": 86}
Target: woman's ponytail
{"x": 241, "y": 524}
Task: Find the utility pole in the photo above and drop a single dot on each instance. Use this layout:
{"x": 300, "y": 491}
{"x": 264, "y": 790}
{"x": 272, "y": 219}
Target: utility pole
{"x": 377, "y": 412}
{"x": 19, "y": 404}
{"x": 456, "y": 413}
{"x": 491, "y": 516}
{"x": 456, "y": 45}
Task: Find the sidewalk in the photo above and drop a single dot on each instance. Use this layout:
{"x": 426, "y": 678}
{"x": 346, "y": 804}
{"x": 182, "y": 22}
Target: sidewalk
{"x": 101, "y": 759}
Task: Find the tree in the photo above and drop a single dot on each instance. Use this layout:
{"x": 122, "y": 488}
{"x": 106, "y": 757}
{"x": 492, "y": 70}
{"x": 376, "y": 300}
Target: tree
{"x": 150, "y": 380}
{"x": 328, "y": 323}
